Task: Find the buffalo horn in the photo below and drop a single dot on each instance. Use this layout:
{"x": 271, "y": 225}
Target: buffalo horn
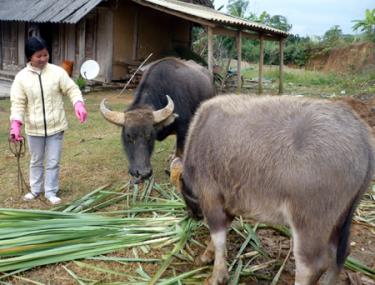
{"x": 162, "y": 114}
{"x": 117, "y": 118}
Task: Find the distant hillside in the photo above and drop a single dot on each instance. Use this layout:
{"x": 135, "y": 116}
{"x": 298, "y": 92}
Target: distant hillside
{"x": 351, "y": 59}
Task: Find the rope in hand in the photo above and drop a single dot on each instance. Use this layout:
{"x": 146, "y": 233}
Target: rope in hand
{"x": 18, "y": 148}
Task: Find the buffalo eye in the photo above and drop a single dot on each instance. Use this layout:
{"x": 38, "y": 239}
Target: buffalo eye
{"x": 130, "y": 138}
{"x": 148, "y": 138}
{"x": 148, "y": 135}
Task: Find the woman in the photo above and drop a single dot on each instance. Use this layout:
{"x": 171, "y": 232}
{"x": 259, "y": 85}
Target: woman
{"x": 37, "y": 102}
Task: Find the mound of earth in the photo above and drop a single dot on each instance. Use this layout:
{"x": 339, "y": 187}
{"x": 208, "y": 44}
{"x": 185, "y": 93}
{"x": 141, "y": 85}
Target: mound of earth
{"x": 350, "y": 59}
{"x": 364, "y": 105}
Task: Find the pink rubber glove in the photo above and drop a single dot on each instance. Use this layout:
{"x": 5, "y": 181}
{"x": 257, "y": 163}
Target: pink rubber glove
{"x": 15, "y": 131}
{"x": 80, "y": 110}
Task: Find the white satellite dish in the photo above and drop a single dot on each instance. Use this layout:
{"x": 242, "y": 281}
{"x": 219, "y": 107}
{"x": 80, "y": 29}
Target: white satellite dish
{"x": 90, "y": 69}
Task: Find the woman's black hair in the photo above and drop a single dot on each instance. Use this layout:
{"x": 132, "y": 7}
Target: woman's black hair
{"x": 33, "y": 45}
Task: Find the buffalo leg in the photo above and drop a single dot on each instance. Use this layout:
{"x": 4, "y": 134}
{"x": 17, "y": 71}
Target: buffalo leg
{"x": 217, "y": 221}
{"x": 220, "y": 273}
{"x": 208, "y": 255}
{"x": 175, "y": 172}
{"x": 312, "y": 257}
{"x": 175, "y": 167}
{"x": 333, "y": 272}
{"x": 332, "y": 275}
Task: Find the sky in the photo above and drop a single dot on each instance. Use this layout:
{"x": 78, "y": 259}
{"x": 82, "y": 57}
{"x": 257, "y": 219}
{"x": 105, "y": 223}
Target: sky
{"x": 312, "y": 17}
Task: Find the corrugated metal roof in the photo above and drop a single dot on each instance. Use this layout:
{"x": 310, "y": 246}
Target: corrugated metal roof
{"x": 210, "y": 15}
{"x": 71, "y": 11}
{"x": 206, "y": 3}
{"x": 67, "y": 11}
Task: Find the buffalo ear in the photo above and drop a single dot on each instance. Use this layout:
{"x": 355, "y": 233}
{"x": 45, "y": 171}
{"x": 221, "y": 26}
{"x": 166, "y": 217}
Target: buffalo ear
{"x": 167, "y": 121}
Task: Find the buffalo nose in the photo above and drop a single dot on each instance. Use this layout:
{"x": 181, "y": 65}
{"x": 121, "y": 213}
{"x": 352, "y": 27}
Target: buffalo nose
{"x": 141, "y": 174}
{"x": 145, "y": 174}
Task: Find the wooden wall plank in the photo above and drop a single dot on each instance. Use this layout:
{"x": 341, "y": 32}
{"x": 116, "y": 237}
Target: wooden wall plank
{"x": 21, "y": 44}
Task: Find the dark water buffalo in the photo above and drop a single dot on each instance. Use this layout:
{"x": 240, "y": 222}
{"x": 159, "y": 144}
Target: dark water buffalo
{"x": 154, "y": 115}
{"x": 303, "y": 163}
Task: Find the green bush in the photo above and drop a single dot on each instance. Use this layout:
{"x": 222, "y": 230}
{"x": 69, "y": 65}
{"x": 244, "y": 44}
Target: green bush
{"x": 81, "y": 82}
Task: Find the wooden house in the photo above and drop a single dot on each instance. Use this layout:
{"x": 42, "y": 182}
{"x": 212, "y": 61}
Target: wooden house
{"x": 118, "y": 34}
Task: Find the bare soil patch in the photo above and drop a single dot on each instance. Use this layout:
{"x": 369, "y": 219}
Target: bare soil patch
{"x": 350, "y": 59}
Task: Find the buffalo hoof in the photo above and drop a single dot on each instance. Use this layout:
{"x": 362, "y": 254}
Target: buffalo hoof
{"x": 176, "y": 172}
{"x": 221, "y": 279}
{"x": 204, "y": 259}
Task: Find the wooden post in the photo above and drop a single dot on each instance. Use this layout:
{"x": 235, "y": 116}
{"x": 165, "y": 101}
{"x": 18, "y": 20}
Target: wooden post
{"x": 105, "y": 43}
{"x": 1, "y": 46}
{"x": 21, "y": 44}
{"x": 261, "y": 58}
{"x": 239, "y": 59}
{"x": 136, "y": 35}
{"x": 81, "y": 41}
{"x": 281, "y": 67}
{"x": 210, "y": 55}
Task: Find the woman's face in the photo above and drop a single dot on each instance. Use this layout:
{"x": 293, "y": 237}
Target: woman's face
{"x": 40, "y": 58}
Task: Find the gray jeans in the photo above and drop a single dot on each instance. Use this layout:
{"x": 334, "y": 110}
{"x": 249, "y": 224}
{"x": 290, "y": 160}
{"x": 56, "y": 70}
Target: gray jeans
{"x": 46, "y": 149}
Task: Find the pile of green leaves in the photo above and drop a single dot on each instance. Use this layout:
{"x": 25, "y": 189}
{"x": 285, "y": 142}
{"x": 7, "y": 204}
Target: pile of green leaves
{"x": 145, "y": 218}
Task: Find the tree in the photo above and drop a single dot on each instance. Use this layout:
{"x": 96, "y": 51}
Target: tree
{"x": 333, "y": 36}
{"x": 280, "y": 22}
{"x": 367, "y": 25}
{"x": 238, "y": 8}
{"x": 277, "y": 21}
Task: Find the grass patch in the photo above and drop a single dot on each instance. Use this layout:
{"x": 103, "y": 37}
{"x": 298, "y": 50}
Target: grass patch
{"x": 313, "y": 83}
{"x": 93, "y": 156}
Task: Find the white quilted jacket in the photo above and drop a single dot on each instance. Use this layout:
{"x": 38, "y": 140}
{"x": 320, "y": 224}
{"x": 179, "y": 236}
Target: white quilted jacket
{"x": 37, "y": 99}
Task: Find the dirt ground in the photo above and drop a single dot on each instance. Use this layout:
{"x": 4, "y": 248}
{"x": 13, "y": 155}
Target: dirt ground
{"x": 362, "y": 244}
{"x": 353, "y": 58}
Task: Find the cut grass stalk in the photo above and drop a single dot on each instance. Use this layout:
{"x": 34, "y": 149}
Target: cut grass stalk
{"x": 184, "y": 234}
{"x": 70, "y": 253}
{"x": 101, "y": 269}
{"x": 34, "y": 237}
{"x": 135, "y": 193}
{"x": 242, "y": 248}
{"x": 78, "y": 202}
{"x": 126, "y": 259}
{"x": 75, "y": 277}
{"x": 278, "y": 274}
{"x": 28, "y": 280}
{"x": 6, "y": 275}
{"x": 237, "y": 273}
{"x": 182, "y": 276}
{"x": 73, "y": 236}
{"x": 147, "y": 189}
{"x": 353, "y": 264}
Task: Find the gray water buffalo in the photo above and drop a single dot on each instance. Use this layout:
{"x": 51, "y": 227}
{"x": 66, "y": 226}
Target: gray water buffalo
{"x": 164, "y": 103}
{"x": 281, "y": 160}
